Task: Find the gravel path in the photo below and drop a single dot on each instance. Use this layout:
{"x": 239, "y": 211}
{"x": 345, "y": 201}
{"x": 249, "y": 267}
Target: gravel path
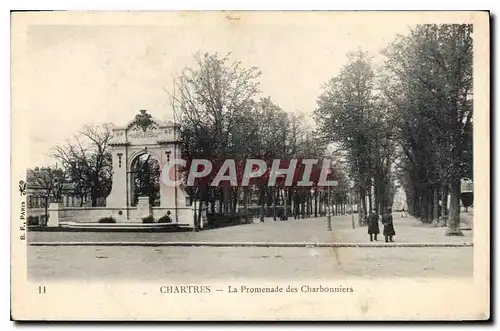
{"x": 202, "y": 264}
{"x": 408, "y": 230}
{"x": 195, "y": 264}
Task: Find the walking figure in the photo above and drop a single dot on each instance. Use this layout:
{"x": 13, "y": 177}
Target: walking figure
{"x": 403, "y": 213}
{"x": 388, "y": 226}
{"x": 373, "y": 229}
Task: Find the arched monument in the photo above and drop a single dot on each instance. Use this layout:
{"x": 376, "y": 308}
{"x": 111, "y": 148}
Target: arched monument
{"x": 145, "y": 135}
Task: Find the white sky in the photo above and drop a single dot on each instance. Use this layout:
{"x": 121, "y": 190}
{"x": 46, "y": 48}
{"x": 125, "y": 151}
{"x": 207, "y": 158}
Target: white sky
{"x": 85, "y": 73}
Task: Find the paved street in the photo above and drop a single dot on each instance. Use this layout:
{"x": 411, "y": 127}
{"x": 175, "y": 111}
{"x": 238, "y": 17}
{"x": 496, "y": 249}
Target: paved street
{"x": 408, "y": 230}
{"x": 206, "y": 263}
{"x": 193, "y": 264}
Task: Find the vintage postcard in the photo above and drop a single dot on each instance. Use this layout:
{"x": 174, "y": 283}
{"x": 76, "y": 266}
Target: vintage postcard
{"x": 250, "y": 166}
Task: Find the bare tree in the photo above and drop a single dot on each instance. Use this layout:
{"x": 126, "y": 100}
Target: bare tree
{"x": 213, "y": 102}
{"x": 87, "y": 160}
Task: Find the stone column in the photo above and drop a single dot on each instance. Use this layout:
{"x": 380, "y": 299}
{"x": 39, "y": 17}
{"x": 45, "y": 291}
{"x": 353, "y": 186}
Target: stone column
{"x": 55, "y": 213}
{"x": 118, "y": 195}
{"x": 172, "y": 197}
{"x": 130, "y": 189}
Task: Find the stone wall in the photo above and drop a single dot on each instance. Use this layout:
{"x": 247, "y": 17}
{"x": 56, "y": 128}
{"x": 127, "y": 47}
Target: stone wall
{"x": 93, "y": 214}
{"x": 58, "y": 214}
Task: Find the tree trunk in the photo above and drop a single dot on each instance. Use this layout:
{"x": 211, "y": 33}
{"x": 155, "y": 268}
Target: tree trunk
{"x": 235, "y": 200}
{"x": 274, "y": 202}
{"x": 362, "y": 207}
{"x": 303, "y": 206}
{"x": 203, "y": 199}
{"x": 320, "y": 203}
{"x": 445, "y": 200}
{"x": 93, "y": 199}
{"x": 212, "y": 205}
{"x": 225, "y": 209}
{"x": 316, "y": 202}
{"x": 294, "y": 210}
{"x": 46, "y": 211}
{"x": 436, "y": 205}
{"x": 285, "y": 203}
{"x": 370, "y": 198}
{"x": 220, "y": 210}
{"x": 454, "y": 219}
{"x": 365, "y": 210}
{"x": 415, "y": 205}
{"x": 261, "y": 200}
{"x": 425, "y": 207}
{"x": 245, "y": 203}
{"x": 269, "y": 197}
{"x": 309, "y": 204}
{"x": 430, "y": 203}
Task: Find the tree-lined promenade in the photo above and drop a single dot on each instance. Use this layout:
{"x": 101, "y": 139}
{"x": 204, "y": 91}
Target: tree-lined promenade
{"x": 409, "y": 119}
{"x": 405, "y": 122}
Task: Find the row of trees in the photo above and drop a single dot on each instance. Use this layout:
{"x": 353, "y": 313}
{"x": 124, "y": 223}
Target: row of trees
{"x": 409, "y": 119}
{"x": 222, "y": 116}
{"x": 352, "y": 115}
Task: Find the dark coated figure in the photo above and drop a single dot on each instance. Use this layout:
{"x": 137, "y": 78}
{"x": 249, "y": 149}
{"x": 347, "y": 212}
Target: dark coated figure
{"x": 388, "y": 222}
{"x": 373, "y": 229}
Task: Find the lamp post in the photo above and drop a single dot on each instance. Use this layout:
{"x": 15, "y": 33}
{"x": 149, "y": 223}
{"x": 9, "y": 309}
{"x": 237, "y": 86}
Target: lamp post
{"x": 274, "y": 202}
{"x": 195, "y": 221}
{"x": 352, "y": 208}
{"x": 329, "y": 217}
{"x": 285, "y": 198}
{"x": 279, "y": 177}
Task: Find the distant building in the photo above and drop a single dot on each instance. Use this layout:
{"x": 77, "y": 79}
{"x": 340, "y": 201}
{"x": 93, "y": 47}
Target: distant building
{"x": 40, "y": 194}
{"x": 466, "y": 185}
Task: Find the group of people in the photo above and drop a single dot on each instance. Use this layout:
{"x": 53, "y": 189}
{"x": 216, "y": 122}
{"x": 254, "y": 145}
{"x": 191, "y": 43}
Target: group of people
{"x": 387, "y": 221}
